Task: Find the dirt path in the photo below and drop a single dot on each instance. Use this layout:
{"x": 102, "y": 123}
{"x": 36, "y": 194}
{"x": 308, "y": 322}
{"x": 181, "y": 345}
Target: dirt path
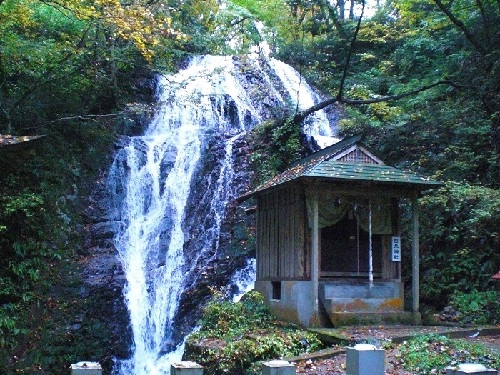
{"x": 336, "y": 363}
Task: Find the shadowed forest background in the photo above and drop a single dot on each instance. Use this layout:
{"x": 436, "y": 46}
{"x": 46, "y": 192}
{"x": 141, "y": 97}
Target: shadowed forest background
{"x": 419, "y": 79}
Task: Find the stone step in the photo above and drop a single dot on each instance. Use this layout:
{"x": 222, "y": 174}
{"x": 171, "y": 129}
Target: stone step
{"x": 345, "y": 318}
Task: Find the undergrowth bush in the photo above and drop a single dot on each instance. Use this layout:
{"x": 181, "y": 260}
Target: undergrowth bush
{"x": 234, "y": 336}
{"x": 477, "y": 307}
{"x": 459, "y": 241}
{"x": 429, "y": 354}
{"x": 223, "y": 318}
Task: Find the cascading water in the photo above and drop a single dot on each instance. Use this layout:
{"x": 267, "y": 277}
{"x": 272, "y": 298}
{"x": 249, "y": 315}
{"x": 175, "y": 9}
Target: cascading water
{"x": 154, "y": 178}
{"x": 317, "y": 124}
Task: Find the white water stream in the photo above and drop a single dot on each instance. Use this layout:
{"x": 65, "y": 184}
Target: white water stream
{"x": 155, "y": 173}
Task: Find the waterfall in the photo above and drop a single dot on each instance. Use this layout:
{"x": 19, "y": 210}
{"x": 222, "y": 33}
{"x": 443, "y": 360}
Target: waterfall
{"x": 162, "y": 179}
{"x": 244, "y": 279}
{"x": 303, "y": 96}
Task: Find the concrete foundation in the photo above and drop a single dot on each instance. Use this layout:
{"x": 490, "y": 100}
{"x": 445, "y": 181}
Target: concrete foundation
{"x": 341, "y": 302}
{"x": 295, "y": 303}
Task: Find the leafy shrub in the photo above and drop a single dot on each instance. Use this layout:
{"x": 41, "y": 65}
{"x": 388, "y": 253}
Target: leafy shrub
{"x": 429, "y": 354}
{"x": 459, "y": 241}
{"x": 276, "y": 144}
{"x": 478, "y": 307}
{"x": 233, "y": 336}
{"x": 222, "y": 318}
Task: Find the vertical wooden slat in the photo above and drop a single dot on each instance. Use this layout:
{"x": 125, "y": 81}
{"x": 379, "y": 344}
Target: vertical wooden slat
{"x": 298, "y": 235}
{"x": 299, "y": 216}
{"x": 307, "y": 239}
{"x": 275, "y": 235}
{"x": 265, "y": 237}
{"x": 268, "y": 239}
{"x": 315, "y": 256}
{"x": 291, "y": 234}
{"x": 286, "y": 234}
{"x": 258, "y": 243}
{"x": 280, "y": 234}
{"x": 272, "y": 243}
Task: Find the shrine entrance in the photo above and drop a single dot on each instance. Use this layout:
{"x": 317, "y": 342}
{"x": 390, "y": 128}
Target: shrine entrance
{"x": 345, "y": 248}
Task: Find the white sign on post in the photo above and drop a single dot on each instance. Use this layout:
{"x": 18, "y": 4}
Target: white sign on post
{"x": 396, "y": 248}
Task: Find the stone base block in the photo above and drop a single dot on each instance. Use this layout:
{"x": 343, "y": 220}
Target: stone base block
{"x": 278, "y": 368}
{"x": 470, "y": 368}
{"x": 365, "y": 359}
{"x": 186, "y": 368}
{"x": 86, "y": 368}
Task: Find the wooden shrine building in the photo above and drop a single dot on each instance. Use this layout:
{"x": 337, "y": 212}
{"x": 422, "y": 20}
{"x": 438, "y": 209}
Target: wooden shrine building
{"x": 328, "y": 239}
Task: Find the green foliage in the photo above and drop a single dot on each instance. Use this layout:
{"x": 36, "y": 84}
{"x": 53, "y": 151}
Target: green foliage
{"x": 429, "y": 354}
{"x": 222, "y": 318}
{"x": 477, "y": 307}
{"x": 276, "y": 144}
{"x": 24, "y": 258}
{"x": 233, "y": 336}
{"x": 459, "y": 244}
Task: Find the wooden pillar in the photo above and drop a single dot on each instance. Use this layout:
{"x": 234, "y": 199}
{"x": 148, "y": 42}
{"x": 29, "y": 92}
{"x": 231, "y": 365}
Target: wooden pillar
{"x": 415, "y": 256}
{"x": 370, "y": 248}
{"x": 315, "y": 254}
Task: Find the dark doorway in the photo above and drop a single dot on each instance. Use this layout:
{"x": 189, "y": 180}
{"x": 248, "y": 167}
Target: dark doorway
{"x": 344, "y": 249}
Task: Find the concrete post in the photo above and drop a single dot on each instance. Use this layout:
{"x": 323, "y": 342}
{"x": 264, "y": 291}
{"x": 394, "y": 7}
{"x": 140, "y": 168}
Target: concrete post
{"x": 365, "y": 359}
{"x": 86, "y": 368}
{"x": 278, "y": 367}
{"x": 186, "y": 368}
{"x": 470, "y": 368}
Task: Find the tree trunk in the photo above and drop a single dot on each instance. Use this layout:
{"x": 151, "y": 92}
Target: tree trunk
{"x": 341, "y": 4}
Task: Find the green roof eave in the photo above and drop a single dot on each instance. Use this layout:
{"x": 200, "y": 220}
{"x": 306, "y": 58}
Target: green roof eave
{"x": 322, "y": 165}
{"x": 346, "y": 172}
{"x": 334, "y": 170}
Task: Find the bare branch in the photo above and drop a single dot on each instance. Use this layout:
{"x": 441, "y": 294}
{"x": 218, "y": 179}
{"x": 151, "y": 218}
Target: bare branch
{"x": 87, "y": 117}
{"x": 349, "y": 53}
{"x": 470, "y": 37}
{"x": 299, "y": 117}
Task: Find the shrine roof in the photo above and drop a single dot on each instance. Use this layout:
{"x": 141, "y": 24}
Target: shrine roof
{"x": 335, "y": 163}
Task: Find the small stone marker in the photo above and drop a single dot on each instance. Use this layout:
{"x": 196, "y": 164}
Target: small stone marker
{"x": 365, "y": 359}
{"x": 86, "y": 368}
{"x": 186, "y": 368}
{"x": 470, "y": 368}
{"x": 278, "y": 367}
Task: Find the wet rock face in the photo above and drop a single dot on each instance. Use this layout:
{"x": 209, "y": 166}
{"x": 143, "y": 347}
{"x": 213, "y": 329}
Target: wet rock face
{"x": 216, "y": 267}
{"x": 102, "y": 276}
